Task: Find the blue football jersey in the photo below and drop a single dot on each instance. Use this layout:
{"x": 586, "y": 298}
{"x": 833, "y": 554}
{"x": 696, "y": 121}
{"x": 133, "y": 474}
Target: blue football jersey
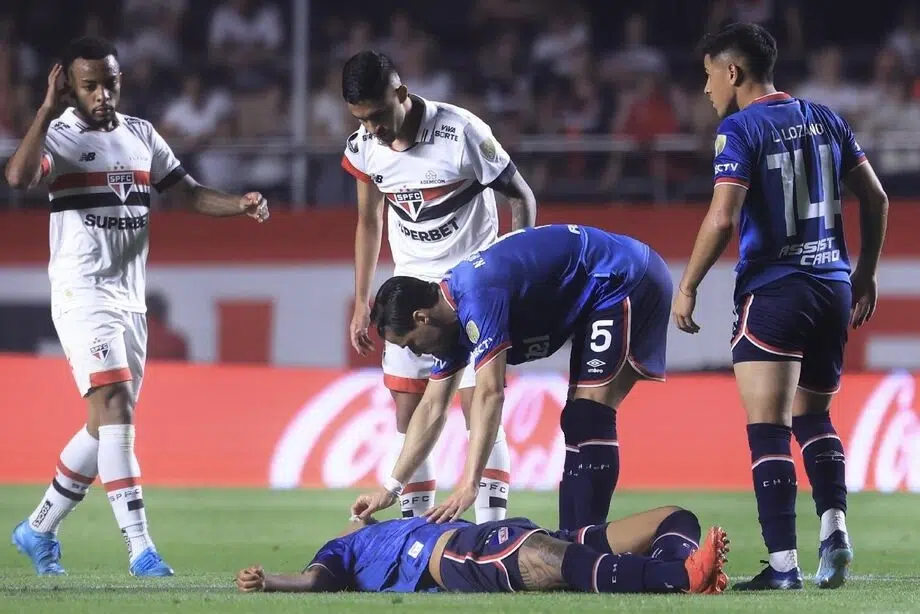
{"x": 390, "y": 556}
{"x": 527, "y": 291}
{"x": 792, "y": 156}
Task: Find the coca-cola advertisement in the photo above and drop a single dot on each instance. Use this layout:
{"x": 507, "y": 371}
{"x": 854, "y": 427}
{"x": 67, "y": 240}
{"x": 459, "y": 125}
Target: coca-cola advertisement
{"x": 209, "y": 425}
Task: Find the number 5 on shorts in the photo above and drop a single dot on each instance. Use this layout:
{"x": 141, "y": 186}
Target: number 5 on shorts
{"x": 601, "y": 337}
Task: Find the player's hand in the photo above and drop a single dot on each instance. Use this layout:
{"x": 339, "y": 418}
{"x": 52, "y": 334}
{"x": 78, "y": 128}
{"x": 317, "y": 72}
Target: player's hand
{"x": 865, "y": 297}
{"x": 255, "y": 206}
{"x": 57, "y": 89}
{"x": 365, "y": 505}
{"x": 251, "y": 579}
{"x": 357, "y": 331}
{"x": 682, "y": 311}
{"x": 453, "y": 507}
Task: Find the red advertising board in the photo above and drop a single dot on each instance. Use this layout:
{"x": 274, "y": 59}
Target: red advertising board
{"x": 204, "y": 425}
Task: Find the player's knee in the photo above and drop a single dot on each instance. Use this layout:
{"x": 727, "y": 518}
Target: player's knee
{"x": 113, "y": 404}
{"x": 584, "y": 419}
{"x": 405, "y": 402}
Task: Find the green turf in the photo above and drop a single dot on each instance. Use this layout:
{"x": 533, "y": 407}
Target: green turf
{"x": 206, "y": 535}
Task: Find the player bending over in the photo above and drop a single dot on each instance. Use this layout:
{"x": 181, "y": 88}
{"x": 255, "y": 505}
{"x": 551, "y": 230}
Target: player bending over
{"x": 779, "y": 165}
{"x": 662, "y": 554}
{"x": 435, "y": 169}
{"x": 99, "y": 166}
{"x": 520, "y": 300}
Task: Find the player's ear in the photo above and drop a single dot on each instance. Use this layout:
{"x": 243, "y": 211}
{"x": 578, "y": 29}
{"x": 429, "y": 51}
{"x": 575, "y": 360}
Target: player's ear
{"x": 735, "y": 75}
{"x": 402, "y": 92}
{"x": 420, "y": 316}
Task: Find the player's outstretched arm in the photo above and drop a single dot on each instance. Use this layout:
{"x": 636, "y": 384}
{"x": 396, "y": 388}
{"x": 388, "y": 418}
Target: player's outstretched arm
{"x": 422, "y": 434}
{"x": 485, "y": 418}
{"x": 24, "y": 168}
{"x": 368, "y": 238}
{"x": 873, "y": 224}
{"x": 711, "y": 241}
{"x": 218, "y": 204}
{"x": 520, "y": 200}
{"x": 314, "y": 580}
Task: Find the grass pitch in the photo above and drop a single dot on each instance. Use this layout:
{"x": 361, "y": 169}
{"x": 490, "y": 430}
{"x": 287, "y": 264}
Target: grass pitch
{"x": 206, "y": 535}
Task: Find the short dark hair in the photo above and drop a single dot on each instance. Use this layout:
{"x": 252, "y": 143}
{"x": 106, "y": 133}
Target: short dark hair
{"x": 397, "y": 299}
{"x": 750, "y": 40}
{"x": 88, "y": 48}
{"x": 366, "y": 76}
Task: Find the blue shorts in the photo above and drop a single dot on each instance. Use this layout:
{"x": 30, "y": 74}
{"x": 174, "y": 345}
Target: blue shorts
{"x": 482, "y": 558}
{"x": 633, "y": 330}
{"x": 800, "y": 318}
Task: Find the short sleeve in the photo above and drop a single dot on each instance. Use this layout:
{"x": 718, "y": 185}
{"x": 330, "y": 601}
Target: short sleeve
{"x": 486, "y": 324}
{"x": 734, "y": 155}
{"x": 851, "y": 154}
{"x": 353, "y": 159}
{"x": 165, "y": 168}
{"x": 484, "y": 155}
{"x": 336, "y": 558}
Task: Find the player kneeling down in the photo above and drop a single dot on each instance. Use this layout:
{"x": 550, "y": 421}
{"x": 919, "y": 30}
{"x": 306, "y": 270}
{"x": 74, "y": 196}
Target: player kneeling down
{"x": 414, "y": 555}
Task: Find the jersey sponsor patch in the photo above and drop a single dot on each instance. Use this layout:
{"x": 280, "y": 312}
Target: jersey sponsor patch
{"x": 472, "y": 331}
{"x": 488, "y": 149}
{"x": 720, "y": 143}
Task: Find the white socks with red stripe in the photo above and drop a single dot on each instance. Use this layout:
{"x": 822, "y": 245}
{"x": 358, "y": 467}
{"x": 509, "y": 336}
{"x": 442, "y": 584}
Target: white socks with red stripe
{"x": 418, "y": 495}
{"x": 76, "y": 470}
{"x": 120, "y": 474}
{"x": 492, "y": 500}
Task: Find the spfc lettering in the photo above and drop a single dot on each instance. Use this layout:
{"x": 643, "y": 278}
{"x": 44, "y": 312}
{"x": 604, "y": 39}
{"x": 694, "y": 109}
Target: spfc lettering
{"x": 121, "y": 183}
{"x": 411, "y": 201}
{"x": 99, "y": 351}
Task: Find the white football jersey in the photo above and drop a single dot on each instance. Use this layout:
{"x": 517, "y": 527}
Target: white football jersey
{"x": 99, "y": 188}
{"x": 440, "y": 206}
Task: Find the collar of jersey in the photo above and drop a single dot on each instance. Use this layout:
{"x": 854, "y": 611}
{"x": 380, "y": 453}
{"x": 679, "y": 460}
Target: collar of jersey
{"x": 771, "y": 98}
{"x": 427, "y": 119}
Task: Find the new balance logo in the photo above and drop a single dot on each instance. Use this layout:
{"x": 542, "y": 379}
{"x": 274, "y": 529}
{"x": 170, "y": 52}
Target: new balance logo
{"x": 59, "y": 126}
{"x": 88, "y": 156}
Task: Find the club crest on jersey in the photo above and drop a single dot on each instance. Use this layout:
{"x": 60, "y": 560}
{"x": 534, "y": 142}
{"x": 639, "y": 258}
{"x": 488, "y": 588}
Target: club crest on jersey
{"x": 99, "y": 351}
{"x": 121, "y": 182}
{"x": 410, "y": 201}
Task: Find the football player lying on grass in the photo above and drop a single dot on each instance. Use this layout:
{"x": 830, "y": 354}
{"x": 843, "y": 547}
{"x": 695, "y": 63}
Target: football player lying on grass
{"x": 657, "y": 551}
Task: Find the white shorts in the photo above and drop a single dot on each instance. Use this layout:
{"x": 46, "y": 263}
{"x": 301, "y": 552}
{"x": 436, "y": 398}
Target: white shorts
{"x": 104, "y": 345}
{"x": 404, "y": 371}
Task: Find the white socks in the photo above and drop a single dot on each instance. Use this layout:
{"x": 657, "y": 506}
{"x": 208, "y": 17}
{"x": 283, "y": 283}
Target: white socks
{"x": 76, "y": 470}
{"x": 120, "y": 474}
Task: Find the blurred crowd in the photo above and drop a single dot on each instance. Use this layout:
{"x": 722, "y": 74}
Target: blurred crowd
{"x": 212, "y": 72}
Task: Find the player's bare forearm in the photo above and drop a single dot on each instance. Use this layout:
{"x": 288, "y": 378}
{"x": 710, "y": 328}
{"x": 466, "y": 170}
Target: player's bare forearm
{"x": 711, "y": 241}
{"x": 873, "y": 214}
{"x": 425, "y": 426}
{"x": 313, "y": 580}
{"x": 714, "y": 235}
{"x": 540, "y": 562}
{"x": 485, "y": 419}
{"x": 23, "y": 169}
{"x": 368, "y": 238}
{"x": 215, "y": 203}
{"x": 521, "y": 201}
{"x": 873, "y": 226}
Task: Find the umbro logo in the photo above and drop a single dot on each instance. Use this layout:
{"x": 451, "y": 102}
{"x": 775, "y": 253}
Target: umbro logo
{"x": 595, "y": 362}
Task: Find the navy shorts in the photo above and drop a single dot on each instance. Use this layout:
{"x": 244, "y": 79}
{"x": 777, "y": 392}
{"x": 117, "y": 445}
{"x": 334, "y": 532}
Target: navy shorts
{"x": 799, "y": 318}
{"x": 482, "y": 558}
{"x": 633, "y": 330}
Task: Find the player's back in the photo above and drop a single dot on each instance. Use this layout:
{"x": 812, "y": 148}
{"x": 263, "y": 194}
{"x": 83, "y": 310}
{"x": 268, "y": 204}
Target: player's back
{"x": 792, "y": 156}
{"x": 389, "y": 556}
{"x": 550, "y": 274}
